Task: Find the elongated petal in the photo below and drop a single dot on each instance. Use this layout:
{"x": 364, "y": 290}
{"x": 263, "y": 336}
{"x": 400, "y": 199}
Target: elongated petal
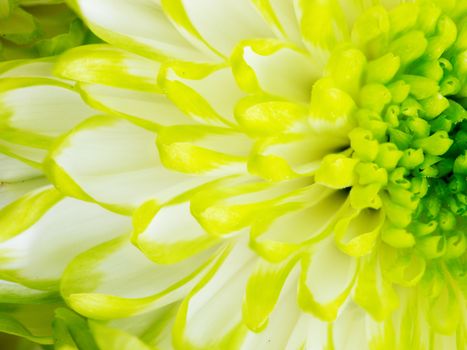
{"x": 233, "y": 204}
{"x": 289, "y": 226}
{"x": 274, "y": 67}
{"x": 13, "y": 191}
{"x": 96, "y": 282}
{"x": 14, "y": 170}
{"x": 51, "y": 109}
{"x": 281, "y": 323}
{"x": 148, "y": 109}
{"x": 326, "y": 281}
{"x": 211, "y": 314}
{"x": 26, "y": 246}
{"x": 194, "y": 89}
{"x": 322, "y": 24}
{"x": 290, "y": 155}
{"x": 83, "y": 165}
{"x": 237, "y": 18}
{"x": 280, "y": 15}
{"x": 262, "y": 292}
{"x": 139, "y": 26}
{"x": 169, "y": 234}
{"x": 107, "y": 65}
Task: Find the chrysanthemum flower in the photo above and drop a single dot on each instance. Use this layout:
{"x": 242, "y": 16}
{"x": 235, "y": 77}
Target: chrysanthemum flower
{"x": 239, "y": 174}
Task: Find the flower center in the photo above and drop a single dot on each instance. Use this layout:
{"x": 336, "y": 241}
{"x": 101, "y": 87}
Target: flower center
{"x": 407, "y": 77}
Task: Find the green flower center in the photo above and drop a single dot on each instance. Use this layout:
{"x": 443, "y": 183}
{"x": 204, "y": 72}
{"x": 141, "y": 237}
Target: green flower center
{"x": 407, "y": 155}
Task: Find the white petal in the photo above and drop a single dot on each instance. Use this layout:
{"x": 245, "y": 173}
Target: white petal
{"x": 290, "y": 155}
{"x": 224, "y": 23}
{"x": 212, "y": 104}
{"x": 287, "y": 227}
{"x": 73, "y": 227}
{"x": 50, "y": 109}
{"x": 350, "y": 329}
{"x": 276, "y": 68}
{"x": 212, "y": 311}
{"x": 12, "y": 292}
{"x": 280, "y": 14}
{"x": 10, "y": 192}
{"x": 265, "y": 290}
{"x": 154, "y": 327}
{"x": 203, "y": 150}
{"x": 282, "y": 321}
{"x": 234, "y": 203}
{"x": 108, "y": 65}
{"x": 115, "y": 280}
{"x": 138, "y": 25}
{"x": 148, "y": 109}
{"x": 309, "y": 333}
{"x": 173, "y": 234}
{"x": 326, "y": 281}
{"x": 338, "y": 267}
{"x": 36, "y": 68}
{"x": 116, "y": 164}
{"x": 28, "y": 154}
{"x": 14, "y": 170}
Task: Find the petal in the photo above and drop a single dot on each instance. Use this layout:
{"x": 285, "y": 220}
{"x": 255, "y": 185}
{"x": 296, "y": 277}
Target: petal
{"x": 9, "y": 192}
{"x": 26, "y": 247}
{"x": 169, "y": 234}
{"x": 194, "y": 89}
{"x": 153, "y": 327}
{"x": 210, "y": 317}
{"x": 233, "y": 204}
{"x": 260, "y": 115}
{"x": 203, "y": 150}
{"x": 147, "y": 109}
{"x": 30, "y": 208}
{"x": 262, "y": 292}
{"x": 83, "y": 165}
{"x": 323, "y": 25}
{"x": 14, "y": 170}
{"x": 356, "y": 232}
{"x": 37, "y": 68}
{"x": 326, "y": 281}
{"x": 280, "y": 14}
{"x": 107, "y": 65}
{"x": 350, "y": 330}
{"x": 139, "y": 26}
{"x": 308, "y": 333}
{"x": 287, "y": 227}
{"x": 374, "y": 292}
{"x": 331, "y": 108}
{"x": 282, "y": 321}
{"x": 291, "y": 155}
{"x": 32, "y": 156}
{"x": 12, "y": 292}
{"x": 274, "y": 67}
{"x": 115, "y": 280}
{"x": 221, "y": 24}
{"x": 44, "y": 112}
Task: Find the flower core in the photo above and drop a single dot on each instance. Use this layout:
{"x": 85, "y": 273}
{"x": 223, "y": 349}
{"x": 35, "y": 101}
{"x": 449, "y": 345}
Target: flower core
{"x": 407, "y": 152}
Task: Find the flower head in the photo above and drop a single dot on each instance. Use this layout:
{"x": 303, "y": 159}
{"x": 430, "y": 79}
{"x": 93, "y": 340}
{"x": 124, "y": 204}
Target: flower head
{"x": 240, "y": 174}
